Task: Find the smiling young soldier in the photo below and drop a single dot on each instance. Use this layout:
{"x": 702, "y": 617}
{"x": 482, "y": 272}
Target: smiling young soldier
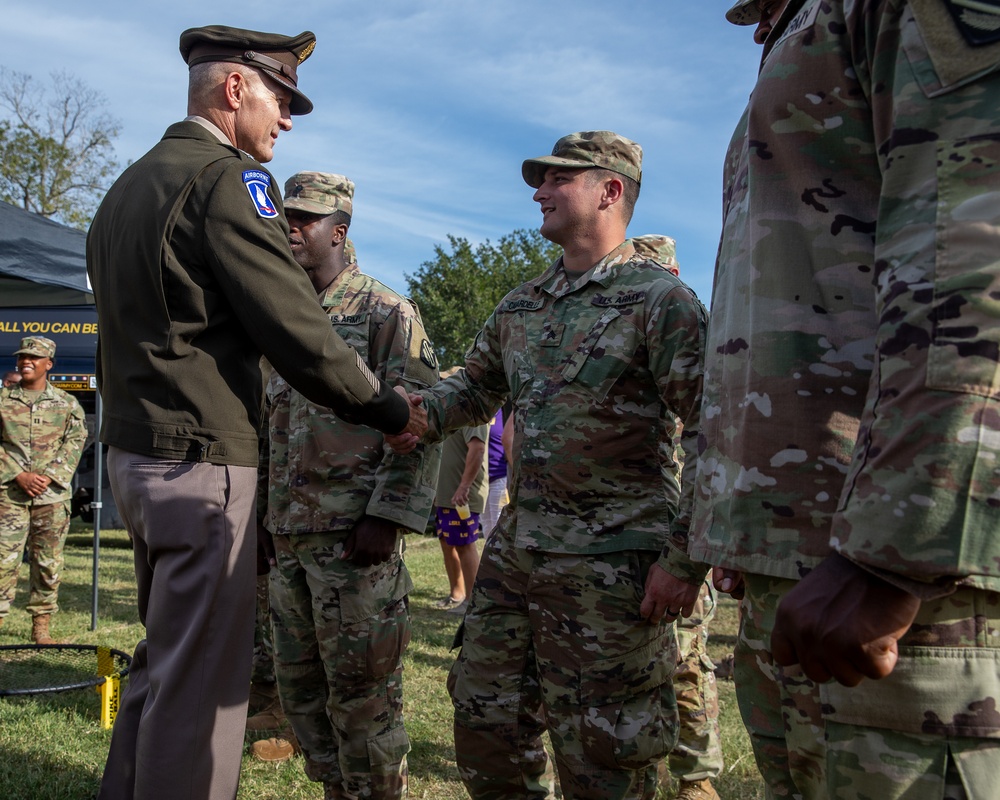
{"x": 571, "y": 615}
{"x": 43, "y": 436}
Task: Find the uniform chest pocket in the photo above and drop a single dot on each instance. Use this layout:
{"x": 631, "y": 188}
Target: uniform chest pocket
{"x": 603, "y": 354}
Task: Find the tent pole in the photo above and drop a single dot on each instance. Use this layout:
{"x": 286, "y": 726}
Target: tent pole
{"x": 97, "y": 504}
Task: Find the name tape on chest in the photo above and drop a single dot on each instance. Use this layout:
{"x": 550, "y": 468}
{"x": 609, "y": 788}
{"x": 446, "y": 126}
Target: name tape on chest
{"x": 802, "y": 21}
{"x": 522, "y": 304}
{"x": 257, "y": 183}
{"x": 627, "y": 299}
{"x": 348, "y": 319}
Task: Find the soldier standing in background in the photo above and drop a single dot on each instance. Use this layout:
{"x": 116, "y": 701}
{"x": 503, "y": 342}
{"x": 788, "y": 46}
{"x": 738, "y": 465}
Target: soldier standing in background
{"x": 697, "y": 758}
{"x": 851, "y": 427}
{"x": 44, "y": 431}
{"x": 572, "y": 611}
{"x": 338, "y": 503}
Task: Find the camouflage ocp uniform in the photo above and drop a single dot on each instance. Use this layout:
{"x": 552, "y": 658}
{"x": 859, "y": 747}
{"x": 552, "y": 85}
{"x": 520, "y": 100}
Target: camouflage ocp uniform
{"x": 45, "y": 435}
{"x": 340, "y": 630}
{"x": 597, "y": 368}
{"x": 698, "y": 754}
{"x": 851, "y": 384}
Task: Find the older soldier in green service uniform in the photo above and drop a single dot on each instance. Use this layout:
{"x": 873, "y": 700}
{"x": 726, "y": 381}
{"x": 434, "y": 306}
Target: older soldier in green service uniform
{"x": 697, "y": 758}
{"x": 43, "y": 436}
{"x": 851, "y": 428}
{"x": 338, "y": 503}
{"x": 571, "y": 613}
{"x": 194, "y": 281}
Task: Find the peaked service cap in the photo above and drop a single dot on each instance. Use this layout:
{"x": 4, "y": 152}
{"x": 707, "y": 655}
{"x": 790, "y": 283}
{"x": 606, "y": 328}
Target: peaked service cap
{"x": 274, "y": 53}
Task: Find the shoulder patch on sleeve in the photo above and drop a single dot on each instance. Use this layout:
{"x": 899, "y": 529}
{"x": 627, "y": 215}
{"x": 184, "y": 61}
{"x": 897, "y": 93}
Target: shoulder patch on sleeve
{"x": 427, "y": 354}
{"x": 978, "y": 20}
{"x": 257, "y": 183}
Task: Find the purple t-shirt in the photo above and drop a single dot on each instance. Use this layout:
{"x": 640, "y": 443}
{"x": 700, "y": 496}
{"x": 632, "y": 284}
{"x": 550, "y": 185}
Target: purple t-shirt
{"x": 498, "y": 463}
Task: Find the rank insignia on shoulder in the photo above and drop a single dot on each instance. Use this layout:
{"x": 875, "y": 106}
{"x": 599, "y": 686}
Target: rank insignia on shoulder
{"x": 427, "y": 354}
{"x": 257, "y": 183}
{"x": 977, "y": 20}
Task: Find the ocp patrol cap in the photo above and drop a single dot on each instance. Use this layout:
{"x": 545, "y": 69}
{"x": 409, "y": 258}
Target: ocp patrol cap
{"x": 661, "y": 249}
{"x": 319, "y": 193}
{"x": 37, "y": 346}
{"x": 588, "y": 150}
{"x": 277, "y": 55}
{"x": 744, "y": 12}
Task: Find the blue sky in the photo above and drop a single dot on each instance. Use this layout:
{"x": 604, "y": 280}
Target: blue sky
{"x": 431, "y": 105}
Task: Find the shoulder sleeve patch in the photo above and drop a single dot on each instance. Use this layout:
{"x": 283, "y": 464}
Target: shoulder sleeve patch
{"x": 257, "y": 183}
{"x": 978, "y": 20}
{"x": 427, "y": 354}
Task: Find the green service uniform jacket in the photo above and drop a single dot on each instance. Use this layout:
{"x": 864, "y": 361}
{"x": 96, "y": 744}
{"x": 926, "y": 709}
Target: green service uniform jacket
{"x": 194, "y": 280}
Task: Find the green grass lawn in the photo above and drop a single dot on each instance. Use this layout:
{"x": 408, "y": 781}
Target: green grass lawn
{"x": 52, "y": 747}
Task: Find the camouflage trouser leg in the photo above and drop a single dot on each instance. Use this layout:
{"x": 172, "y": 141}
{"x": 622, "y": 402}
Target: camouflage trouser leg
{"x": 931, "y": 730}
{"x": 263, "y": 647}
{"x": 698, "y": 754}
{"x": 44, "y": 528}
{"x": 780, "y": 705}
{"x": 603, "y": 672}
{"x": 339, "y": 636}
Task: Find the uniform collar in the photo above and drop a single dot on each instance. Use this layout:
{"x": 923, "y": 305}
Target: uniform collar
{"x": 333, "y": 294}
{"x": 211, "y": 127}
{"x": 556, "y": 281}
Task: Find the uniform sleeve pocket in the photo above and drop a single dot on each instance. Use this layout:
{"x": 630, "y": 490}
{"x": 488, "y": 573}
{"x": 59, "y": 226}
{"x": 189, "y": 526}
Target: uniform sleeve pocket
{"x": 965, "y": 343}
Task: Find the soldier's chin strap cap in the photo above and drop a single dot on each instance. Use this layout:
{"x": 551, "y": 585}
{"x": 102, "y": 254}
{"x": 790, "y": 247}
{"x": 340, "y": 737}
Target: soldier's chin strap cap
{"x": 277, "y": 55}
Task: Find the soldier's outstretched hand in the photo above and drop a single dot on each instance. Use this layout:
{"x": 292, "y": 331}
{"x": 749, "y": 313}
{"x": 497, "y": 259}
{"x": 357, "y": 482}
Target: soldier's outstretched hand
{"x": 842, "y": 622}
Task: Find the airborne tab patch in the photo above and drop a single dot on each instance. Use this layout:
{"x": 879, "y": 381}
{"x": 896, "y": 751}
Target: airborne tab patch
{"x": 257, "y": 183}
{"x": 629, "y": 299}
{"x": 978, "y": 20}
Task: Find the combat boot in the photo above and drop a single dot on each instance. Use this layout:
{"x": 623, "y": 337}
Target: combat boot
{"x": 271, "y": 718}
{"x": 697, "y": 790}
{"x": 276, "y": 749}
{"x": 262, "y": 697}
{"x": 40, "y": 629}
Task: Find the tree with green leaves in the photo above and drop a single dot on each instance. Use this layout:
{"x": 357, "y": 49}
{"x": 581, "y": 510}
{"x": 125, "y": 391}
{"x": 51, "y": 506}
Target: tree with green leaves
{"x": 56, "y": 146}
{"x": 456, "y": 291}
